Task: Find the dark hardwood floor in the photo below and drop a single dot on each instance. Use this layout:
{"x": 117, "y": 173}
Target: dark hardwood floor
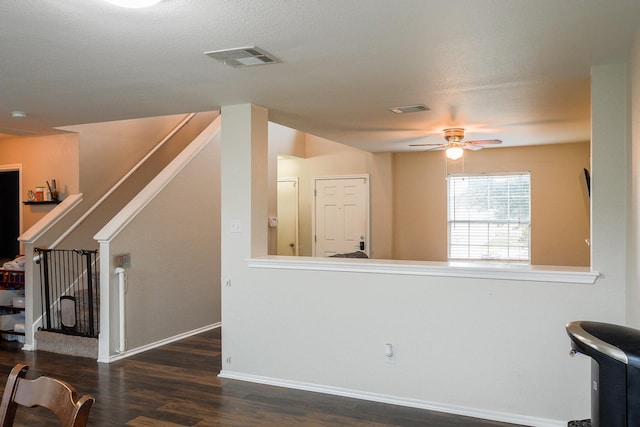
{"x": 177, "y": 385}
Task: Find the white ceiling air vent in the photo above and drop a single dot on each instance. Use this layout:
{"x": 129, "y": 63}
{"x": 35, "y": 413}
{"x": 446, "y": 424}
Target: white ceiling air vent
{"x": 243, "y": 57}
{"x": 409, "y": 109}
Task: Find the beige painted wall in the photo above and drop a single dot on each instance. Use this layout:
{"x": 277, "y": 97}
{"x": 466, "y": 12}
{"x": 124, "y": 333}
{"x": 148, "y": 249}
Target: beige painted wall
{"x": 173, "y": 285}
{"x": 559, "y": 200}
{"x": 82, "y": 236}
{"x": 409, "y": 194}
{"x": 108, "y": 150}
{"x": 328, "y": 158}
{"x": 101, "y": 155}
{"x": 633, "y": 242}
{"x": 320, "y": 310}
{"x": 43, "y": 158}
{"x": 515, "y": 327}
{"x": 282, "y": 141}
{"x": 286, "y": 141}
{"x": 179, "y": 298}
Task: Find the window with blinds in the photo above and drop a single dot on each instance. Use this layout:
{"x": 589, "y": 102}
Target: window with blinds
{"x": 489, "y": 217}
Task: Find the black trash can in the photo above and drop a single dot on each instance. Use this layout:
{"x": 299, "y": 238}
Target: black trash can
{"x": 615, "y": 371}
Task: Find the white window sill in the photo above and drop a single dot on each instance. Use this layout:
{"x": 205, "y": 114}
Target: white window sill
{"x": 497, "y": 271}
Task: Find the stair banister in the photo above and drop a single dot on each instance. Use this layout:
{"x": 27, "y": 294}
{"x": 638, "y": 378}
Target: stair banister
{"x": 64, "y": 235}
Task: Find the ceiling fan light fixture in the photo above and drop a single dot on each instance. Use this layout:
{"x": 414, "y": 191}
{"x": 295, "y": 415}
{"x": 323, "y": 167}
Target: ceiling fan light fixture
{"x": 454, "y": 153}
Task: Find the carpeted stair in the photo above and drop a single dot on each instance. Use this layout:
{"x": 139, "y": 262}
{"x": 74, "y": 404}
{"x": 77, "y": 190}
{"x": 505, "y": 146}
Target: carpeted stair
{"x": 72, "y": 345}
{"x": 67, "y": 344}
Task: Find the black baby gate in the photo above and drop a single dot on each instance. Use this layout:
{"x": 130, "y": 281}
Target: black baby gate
{"x": 70, "y": 299}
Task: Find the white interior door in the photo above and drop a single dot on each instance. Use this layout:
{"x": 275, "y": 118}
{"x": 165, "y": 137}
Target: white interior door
{"x": 287, "y": 216}
{"x": 341, "y": 223}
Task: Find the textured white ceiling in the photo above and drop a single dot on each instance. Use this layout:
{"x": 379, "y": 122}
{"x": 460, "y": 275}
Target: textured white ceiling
{"x": 517, "y": 70}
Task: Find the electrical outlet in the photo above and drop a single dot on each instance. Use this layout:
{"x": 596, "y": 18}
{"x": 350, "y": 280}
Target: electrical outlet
{"x": 389, "y": 353}
{"x": 236, "y": 226}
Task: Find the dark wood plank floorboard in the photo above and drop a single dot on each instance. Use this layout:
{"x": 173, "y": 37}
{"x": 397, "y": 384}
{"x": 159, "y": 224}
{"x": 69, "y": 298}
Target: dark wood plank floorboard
{"x": 177, "y": 385}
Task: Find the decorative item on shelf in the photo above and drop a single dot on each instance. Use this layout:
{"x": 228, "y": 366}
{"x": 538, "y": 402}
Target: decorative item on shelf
{"x": 54, "y": 191}
{"x": 39, "y": 194}
{"x": 52, "y": 194}
{"x": 48, "y": 195}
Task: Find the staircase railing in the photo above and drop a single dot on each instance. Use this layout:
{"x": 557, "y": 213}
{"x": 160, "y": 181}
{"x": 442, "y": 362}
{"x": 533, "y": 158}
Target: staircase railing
{"x": 97, "y": 205}
{"x": 69, "y": 280}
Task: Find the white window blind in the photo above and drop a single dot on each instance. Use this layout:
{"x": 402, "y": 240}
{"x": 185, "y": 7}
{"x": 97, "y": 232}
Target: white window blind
{"x": 489, "y": 217}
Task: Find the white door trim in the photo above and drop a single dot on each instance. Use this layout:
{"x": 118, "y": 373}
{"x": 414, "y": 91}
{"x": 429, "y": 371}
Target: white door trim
{"x": 295, "y": 180}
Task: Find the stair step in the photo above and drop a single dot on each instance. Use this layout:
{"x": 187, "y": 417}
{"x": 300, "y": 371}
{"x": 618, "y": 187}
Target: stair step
{"x": 66, "y": 344}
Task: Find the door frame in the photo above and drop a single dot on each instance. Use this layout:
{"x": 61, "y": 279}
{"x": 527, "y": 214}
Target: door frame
{"x": 367, "y": 180}
{"x": 295, "y": 180}
{"x": 17, "y": 168}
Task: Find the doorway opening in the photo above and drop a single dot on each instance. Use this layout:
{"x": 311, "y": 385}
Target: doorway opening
{"x": 10, "y": 212}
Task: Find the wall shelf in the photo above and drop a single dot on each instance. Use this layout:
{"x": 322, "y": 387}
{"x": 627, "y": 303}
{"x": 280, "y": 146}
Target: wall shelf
{"x": 50, "y": 202}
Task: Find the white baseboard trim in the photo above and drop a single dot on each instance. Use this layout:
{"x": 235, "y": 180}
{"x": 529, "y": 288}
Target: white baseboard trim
{"x": 129, "y": 353}
{"x": 394, "y": 400}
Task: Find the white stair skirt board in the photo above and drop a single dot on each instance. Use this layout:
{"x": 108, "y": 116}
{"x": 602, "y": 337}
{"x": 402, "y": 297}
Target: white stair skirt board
{"x": 394, "y": 400}
{"x": 160, "y": 343}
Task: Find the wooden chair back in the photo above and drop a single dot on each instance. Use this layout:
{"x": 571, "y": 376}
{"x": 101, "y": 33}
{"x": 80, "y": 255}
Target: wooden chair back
{"x": 51, "y": 393}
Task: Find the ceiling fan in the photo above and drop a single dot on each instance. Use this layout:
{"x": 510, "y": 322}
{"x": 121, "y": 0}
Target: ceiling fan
{"x": 455, "y": 143}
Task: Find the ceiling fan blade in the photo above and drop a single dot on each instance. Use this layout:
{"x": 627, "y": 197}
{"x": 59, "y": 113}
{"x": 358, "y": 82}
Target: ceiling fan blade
{"x": 429, "y": 147}
{"x": 472, "y": 147}
{"x": 425, "y": 144}
{"x": 484, "y": 142}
